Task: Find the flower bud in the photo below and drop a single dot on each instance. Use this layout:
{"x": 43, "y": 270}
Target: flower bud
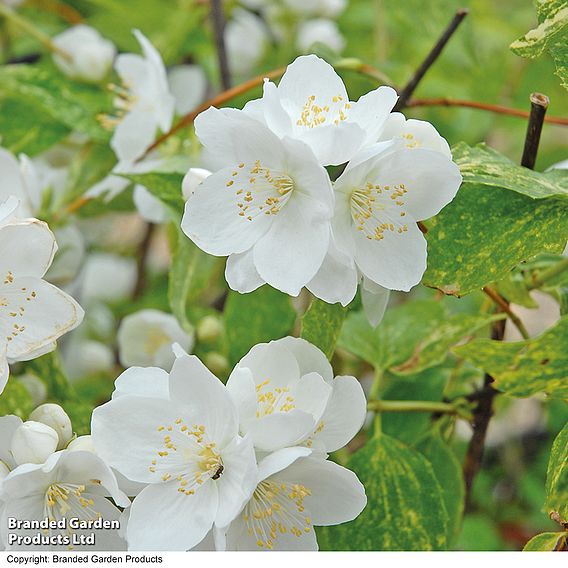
{"x": 33, "y": 442}
{"x": 36, "y": 387}
{"x": 209, "y": 329}
{"x": 321, "y": 31}
{"x": 216, "y": 363}
{"x": 82, "y": 444}
{"x": 86, "y": 55}
{"x": 54, "y": 416}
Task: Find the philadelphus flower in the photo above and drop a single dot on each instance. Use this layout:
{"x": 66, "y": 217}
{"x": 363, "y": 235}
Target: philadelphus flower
{"x": 144, "y": 102}
{"x": 33, "y": 313}
{"x": 311, "y": 104}
{"x": 68, "y": 485}
{"x": 33, "y": 442}
{"x": 179, "y": 435}
{"x": 294, "y": 493}
{"x": 88, "y": 57}
{"x": 20, "y": 179}
{"x": 269, "y": 199}
{"x": 145, "y": 339}
{"x": 286, "y": 396}
{"x": 246, "y": 39}
{"x": 322, "y": 31}
{"x": 379, "y": 198}
{"x": 54, "y": 416}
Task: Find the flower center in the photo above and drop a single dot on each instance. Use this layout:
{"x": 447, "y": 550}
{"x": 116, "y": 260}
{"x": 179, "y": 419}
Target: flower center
{"x": 186, "y": 456}
{"x": 314, "y": 115}
{"x": 276, "y": 508}
{"x": 278, "y": 399}
{"x": 156, "y": 339}
{"x": 259, "y": 190}
{"x": 62, "y": 498}
{"x": 368, "y": 204}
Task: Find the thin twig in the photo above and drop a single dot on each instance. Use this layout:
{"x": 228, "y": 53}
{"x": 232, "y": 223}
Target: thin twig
{"x": 539, "y": 104}
{"x": 504, "y": 305}
{"x": 499, "y": 109}
{"x": 418, "y": 406}
{"x": 410, "y": 87}
{"x": 218, "y": 19}
{"x": 65, "y": 11}
{"x": 32, "y": 30}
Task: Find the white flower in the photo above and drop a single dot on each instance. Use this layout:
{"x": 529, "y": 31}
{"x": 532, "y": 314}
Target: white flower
{"x": 8, "y": 426}
{"x": 82, "y": 444}
{"x": 54, "y": 416}
{"x": 144, "y": 102}
{"x": 286, "y": 395}
{"x": 96, "y": 284}
{"x": 322, "y": 31}
{"x": 188, "y": 85}
{"x": 150, "y": 208}
{"x": 295, "y": 493}
{"x": 87, "y": 357}
{"x": 311, "y": 104}
{"x": 145, "y": 339}
{"x": 414, "y": 134}
{"x": 187, "y": 449}
{"x": 33, "y": 442}
{"x": 379, "y": 198}
{"x": 35, "y": 387}
{"x": 89, "y": 55}
{"x": 70, "y": 255}
{"x": 33, "y": 313}
{"x": 246, "y": 39}
{"x": 68, "y": 485}
{"x": 270, "y": 200}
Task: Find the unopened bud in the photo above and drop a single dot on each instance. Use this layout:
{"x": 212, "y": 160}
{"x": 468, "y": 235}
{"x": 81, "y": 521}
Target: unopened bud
{"x": 33, "y": 442}
{"x": 54, "y": 416}
{"x": 216, "y": 363}
{"x": 82, "y": 444}
{"x": 209, "y": 329}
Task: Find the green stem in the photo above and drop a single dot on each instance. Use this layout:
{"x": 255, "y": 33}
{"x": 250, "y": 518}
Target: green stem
{"x": 373, "y": 396}
{"x": 548, "y": 274}
{"x": 418, "y": 406}
{"x": 28, "y": 27}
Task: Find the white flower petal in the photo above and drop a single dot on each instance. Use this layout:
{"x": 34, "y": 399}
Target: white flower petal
{"x": 336, "y": 494}
{"x": 308, "y": 357}
{"x": 375, "y": 299}
{"x": 279, "y": 460}
{"x": 133, "y": 135}
{"x": 161, "y": 518}
{"x": 242, "y": 389}
{"x": 241, "y": 274}
{"x": 281, "y": 429}
{"x": 188, "y": 85}
{"x": 150, "y": 208}
{"x": 312, "y": 394}
{"x": 238, "y": 480}
{"x": 372, "y": 110}
{"x": 344, "y": 415}
{"x": 193, "y": 385}
{"x": 142, "y": 381}
{"x": 281, "y": 256}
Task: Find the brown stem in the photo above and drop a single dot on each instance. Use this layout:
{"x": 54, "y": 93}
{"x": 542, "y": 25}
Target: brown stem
{"x": 410, "y": 87}
{"x": 499, "y": 109}
{"x": 218, "y": 19}
{"x": 61, "y": 9}
{"x": 504, "y": 305}
{"x": 539, "y": 104}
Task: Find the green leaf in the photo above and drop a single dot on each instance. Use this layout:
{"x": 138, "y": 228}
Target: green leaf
{"x": 189, "y": 273}
{"x": 405, "y": 506}
{"x": 551, "y": 35}
{"x": 165, "y": 186}
{"x": 485, "y": 232}
{"x": 433, "y": 350}
{"x": 16, "y": 399}
{"x": 557, "y": 476}
{"x": 448, "y": 471}
{"x": 485, "y": 166}
{"x": 321, "y": 325}
{"x": 394, "y": 340}
{"x": 524, "y": 368}
{"x": 50, "y": 370}
{"x": 25, "y": 128}
{"x": 72, "y": 104}
{"x": 546, "y": 542}
{"x": 258, "y": 317}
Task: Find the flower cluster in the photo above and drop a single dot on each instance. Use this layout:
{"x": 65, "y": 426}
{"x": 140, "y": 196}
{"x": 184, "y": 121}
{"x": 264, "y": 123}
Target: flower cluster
{"x": 271, "y": 207}
{"x": 238, "y": 467}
